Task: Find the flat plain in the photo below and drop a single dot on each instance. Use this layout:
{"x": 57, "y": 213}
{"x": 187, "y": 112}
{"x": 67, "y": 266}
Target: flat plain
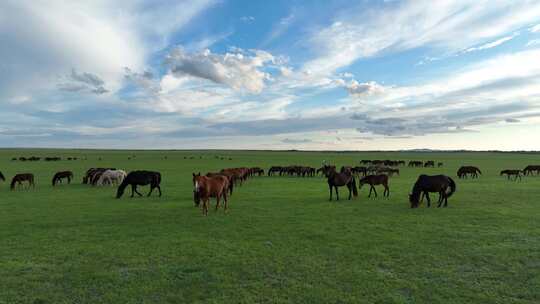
{"x": 281, "y": 242}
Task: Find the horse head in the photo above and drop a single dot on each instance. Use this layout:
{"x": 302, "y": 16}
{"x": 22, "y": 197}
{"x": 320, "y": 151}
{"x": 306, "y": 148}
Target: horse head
{"x": 414, "y": 200}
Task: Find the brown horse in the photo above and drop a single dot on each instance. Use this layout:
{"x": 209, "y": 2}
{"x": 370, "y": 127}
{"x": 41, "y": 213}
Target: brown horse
{"x": 436, "y": 183}
{"x": 374, "y": 180}
{"x": 464, "y": 171}
{"x": 341, "y": 179}
{"x": 62, "y": 175}
{"x": 23, "y": 177}
{"x": 515, "y": 173}
{"x": 229, "y": 176}
{"x": 205, "y": 187}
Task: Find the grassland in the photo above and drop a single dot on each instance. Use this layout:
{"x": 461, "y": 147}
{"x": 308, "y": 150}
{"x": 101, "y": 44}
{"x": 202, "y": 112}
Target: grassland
{"x": 282, "y": 241}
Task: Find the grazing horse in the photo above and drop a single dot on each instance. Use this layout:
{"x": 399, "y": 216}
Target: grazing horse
{"x": 374, "y": 180}
{"x": 531, "y": 169}
{"x": 142, "y": 178}
{"x": 436, "y": 183}
{"x": 464, "y": 171}
{"x": 205, "y": 187}
{"x": 515, "y": 173}
{"x": 61, "y": 175}
{"x": 2, "y": 177}
{"x": 111, "y": 177}
{"x": 336, "y": 180}
{"x": 274, "y": 169}
{"x": 19, "y": 178}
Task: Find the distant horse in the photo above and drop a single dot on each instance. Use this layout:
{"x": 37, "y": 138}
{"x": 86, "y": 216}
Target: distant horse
{"x": 436, "y": 183}
{"x": 142, "y": 178}
{"x": 360, "y": 170}
{"x": 273, "y": 170}
{"x": 62, "y": 175}
{"x": 23, "y": 177}
{"x": 374, "y": 180}
{"x": 515, "y": 173}
{"x": 326, "y": 169}
{"x": 341, "y": 179}
{"x": 2, "y": 177}
{"x": 429, "y": 163}
{"x": 229, "y": 176}
{"x": 111, "y": 177}
{"x": 464, "y": 171}
{"x": 440, "y": 165}
{"x": 531, "y": 169}
{"x": 205, "y": 187}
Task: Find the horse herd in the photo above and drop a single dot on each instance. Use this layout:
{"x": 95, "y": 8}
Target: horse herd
{"x": 220, "y": 185}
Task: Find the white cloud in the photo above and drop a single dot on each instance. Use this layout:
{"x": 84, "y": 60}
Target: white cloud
{"x": 533, "y": 42}
{"x": 445, "y": 25}
{"x": 242, "y": 71}
{"x": 365, "y": 89}
{"x": 535, "y": 29}
{"x": 490, "y": 45}
{"x": 44, "y": 39}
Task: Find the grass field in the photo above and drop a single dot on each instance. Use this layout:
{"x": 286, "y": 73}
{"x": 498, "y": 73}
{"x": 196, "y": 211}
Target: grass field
{"x": 281, "y": 242}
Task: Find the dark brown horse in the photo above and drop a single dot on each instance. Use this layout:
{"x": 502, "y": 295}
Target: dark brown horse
{"x": 465, "y": 171}
{"x": 23, "y": 177}
{"x": 341, "y": 179}
{"x": 374, "y": 180}
{"x": 142, "y": 178}
{"x": 205, "y": 187}
{"x": 436, "y": 183}
{"x": 59, "y": 176}
{"x": 515, "y": 173}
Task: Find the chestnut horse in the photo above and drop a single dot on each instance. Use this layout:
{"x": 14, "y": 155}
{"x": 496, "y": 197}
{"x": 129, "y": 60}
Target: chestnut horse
{"x": 205, "y": 187}
{"x": 61, "y": 175}
{"x": 374, "y": 180}
{"x": 23, "y": 177}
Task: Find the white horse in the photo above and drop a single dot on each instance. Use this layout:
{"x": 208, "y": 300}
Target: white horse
{"x": 111, "y": 177}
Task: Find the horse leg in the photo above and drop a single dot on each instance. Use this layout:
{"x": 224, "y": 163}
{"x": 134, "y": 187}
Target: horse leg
{"x": 386, "y": 190}
{"x": 441, "y": 198}
{"x": 370, "y": 190}
{"x": 330, "y": 186}
{"x": 374, "y": 190}
{"x": 133, "y": 190}
{"x": 217, "y": 201}
{"x": 426, "y": 194}
{"x": 226, "y": 203}
{"x": 151, "y": 189}
{"x": 349, "y": 185}
{"x": 159, "y": 190}
{"x": 337, "y": 193}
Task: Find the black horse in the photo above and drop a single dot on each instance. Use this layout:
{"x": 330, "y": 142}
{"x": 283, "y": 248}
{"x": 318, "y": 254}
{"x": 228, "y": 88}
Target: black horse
{"x": 436, "y": 183}
{"x": 341, "y": 179}
{"x": 515, "y": 173}
{"x": 61, "y": 175}
{"x": 2, "y": 177}
{"x": 143, "y": 178}
{"x": 464, "y": 171}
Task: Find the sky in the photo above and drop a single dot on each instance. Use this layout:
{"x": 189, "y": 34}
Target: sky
{"x": 310, "y": 75}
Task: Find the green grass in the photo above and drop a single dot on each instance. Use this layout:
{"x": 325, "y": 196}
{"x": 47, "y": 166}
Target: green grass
{"x": 281, "y": 242}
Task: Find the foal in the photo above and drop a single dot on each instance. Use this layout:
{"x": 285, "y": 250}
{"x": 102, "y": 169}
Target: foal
{"x": 374, "y": 180}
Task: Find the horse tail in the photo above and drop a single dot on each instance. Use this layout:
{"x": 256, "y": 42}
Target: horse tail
{"x": 54, "y": 180}
{"x": 231, "y": 186}
{"x": 452, "y": 187}
{"x": 354, "y": 189}
{"x": 13, "y": 182}
{"x": 2, "y": 176}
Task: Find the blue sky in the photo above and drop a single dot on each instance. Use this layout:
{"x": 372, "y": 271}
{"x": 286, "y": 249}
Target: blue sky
{"x": 318, "y": 75}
